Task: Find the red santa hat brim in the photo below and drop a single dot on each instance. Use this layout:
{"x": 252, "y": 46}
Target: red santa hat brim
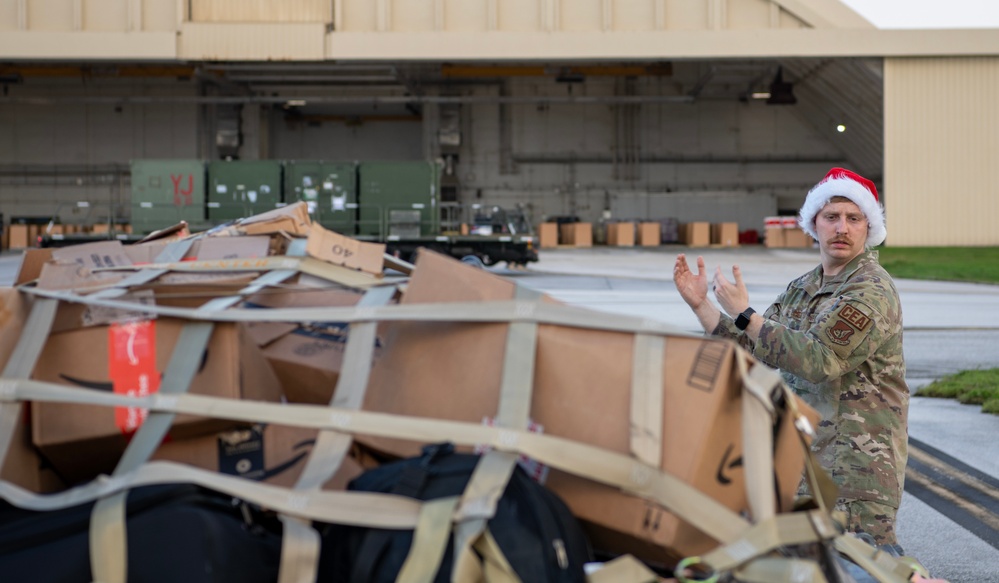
{"x": 842, "y": 182}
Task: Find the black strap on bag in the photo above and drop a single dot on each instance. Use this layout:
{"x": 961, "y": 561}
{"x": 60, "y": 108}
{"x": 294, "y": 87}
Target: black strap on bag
{"x": 537, "y": 534}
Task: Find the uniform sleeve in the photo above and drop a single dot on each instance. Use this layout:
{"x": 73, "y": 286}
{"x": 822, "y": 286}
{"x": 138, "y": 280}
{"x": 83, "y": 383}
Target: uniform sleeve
{"x": 726, "y": 327}
{"x": 839, "y": 339}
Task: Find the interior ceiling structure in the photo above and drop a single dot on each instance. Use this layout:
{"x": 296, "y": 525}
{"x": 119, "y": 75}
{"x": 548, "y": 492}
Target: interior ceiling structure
{"x": 827, "y": 92}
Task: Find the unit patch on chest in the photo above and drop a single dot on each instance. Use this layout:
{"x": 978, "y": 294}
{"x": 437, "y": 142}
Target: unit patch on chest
{"x": 855, "y": 317}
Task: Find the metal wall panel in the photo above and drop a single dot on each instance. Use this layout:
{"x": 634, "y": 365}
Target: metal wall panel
{"x": 289, "y": 41}
{"x": 941, "y": 146}
{"x": 50, "y": 15}
{"x": 244, "y": 11}
{"x": 469, "y": 15}
{"x": 105, "y": 15}
{"x": 518, "y": 15}
{"x": 637, "y": 15}
{"x": 581, "y": 15}
{"x": 412, "y": 15}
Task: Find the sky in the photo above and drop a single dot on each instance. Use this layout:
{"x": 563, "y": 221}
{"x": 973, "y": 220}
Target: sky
{"x": 928, "y": 13}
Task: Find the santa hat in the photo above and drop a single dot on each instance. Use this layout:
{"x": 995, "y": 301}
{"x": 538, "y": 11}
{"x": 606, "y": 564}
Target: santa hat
{"x": 863, "y": 193}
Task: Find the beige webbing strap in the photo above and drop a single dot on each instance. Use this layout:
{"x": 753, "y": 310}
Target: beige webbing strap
{"x": 20, "y": 365}
{"x": 495, "y": 566}
{"x": 331, "y": 447}
{"x": 785, "y": 570}
{"x": 270, "y": 278}
{"x": 594, "y": 463}
{"x": 493, "y": 471}
{"x": 824, "y": 490}
{"x": 299, "y": 550}
{"x": 623, "y": 569}
{"x": 433, "y": 530}
{"x": 783, "y": 529}
{"x": 647, "y": 399}
{"x": 350, "y": 508}
{"x": 879, "y": 564}
{"x": 757, "y": 437}
{"x": 108, "y": 539}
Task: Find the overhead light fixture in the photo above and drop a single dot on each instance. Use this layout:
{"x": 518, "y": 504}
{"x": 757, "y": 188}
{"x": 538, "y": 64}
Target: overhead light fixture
{"x": 294, "y": 103}
{"x": 841, "y": 128}
{"x": 760, "y": 95}
{"x": 781, "y": 93}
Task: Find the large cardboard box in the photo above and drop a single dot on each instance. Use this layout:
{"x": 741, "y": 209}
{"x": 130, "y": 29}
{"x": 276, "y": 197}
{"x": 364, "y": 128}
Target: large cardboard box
{"x": 19, "y": 236}
{"x": 621, "y": 234}
{"x": 548, "y": 235}
{"x": 773, "y": 238}
{"x": 273, "y": 454}
{"x": 649, "y": 234}
{"x": 796, "y": 238}
{"x": 696, "y": 234}
{"x": 582, "y": 383}
{"x": 725, "y": 234}
{"x": 83, "y": 440}
{"x": 576, "y": 234}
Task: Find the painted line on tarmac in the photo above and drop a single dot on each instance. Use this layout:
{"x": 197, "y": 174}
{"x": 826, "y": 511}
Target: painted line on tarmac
{"x": 960, "y": 492}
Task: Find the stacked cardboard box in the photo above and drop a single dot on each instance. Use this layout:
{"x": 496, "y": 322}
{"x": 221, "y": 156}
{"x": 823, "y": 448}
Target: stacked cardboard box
{"x": 696, "y": 234}
{"x": 681, "y": 416}
{"x": 725, "y": 234}
{"x": 649, "y": 234}
{"x": 784, "y": 232}
{"x": 548, "y": 235}
{"x": 621, "y": 234}
{"x": 576, "y": 234}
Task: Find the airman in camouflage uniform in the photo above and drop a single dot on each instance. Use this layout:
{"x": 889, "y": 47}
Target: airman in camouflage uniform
{"x": 835, "y": 334}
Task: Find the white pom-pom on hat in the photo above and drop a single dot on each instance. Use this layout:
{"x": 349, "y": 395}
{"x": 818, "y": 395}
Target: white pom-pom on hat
{"x": 863, "y": 193}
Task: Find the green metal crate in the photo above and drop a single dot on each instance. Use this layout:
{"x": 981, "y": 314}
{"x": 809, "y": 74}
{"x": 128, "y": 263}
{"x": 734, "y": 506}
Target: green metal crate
{"x": 398, "y": 199}
{"x": 329, "y": 189}
{"x": 165, "y": 192}
{"x": 241, "y": 188}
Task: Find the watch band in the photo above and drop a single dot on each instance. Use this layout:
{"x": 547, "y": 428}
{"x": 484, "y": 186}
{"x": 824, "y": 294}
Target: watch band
{"x": 742, "y": 320}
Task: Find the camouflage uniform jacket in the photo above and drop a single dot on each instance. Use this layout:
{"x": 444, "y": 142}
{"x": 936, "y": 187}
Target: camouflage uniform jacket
{"x": 838, "y": 345}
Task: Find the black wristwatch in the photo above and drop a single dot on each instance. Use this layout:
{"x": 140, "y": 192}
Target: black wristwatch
{"x": 743, "y": 319}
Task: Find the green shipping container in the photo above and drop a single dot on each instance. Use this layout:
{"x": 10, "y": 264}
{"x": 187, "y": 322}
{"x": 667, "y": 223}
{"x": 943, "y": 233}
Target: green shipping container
{"x": 399, "y": 199}
{"x": 165, "y": 192}
{"x": 329, "y": 188}
{"x": 241, "y": 188}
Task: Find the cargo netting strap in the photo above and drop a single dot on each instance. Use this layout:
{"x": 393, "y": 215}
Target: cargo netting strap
{"x": 21, "y": 364}
{"x": 599, "y": 465}
{"x": 301, "y": 546}
{"x": 108, "y": 538}
{"x": 758, "y": 436}
{"x": 623, "y": 569}
{"x": 494, "y": 469}
{"x": 646, "y": 427}
{"x": 173, "y": 252}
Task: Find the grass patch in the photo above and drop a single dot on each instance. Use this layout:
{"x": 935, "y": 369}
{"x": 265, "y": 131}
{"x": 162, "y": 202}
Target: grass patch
{"x": 968, "y": 264}
{"x": 971, "y": 387}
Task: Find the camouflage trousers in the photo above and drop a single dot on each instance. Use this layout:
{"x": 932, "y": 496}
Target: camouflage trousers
{"x": 877, "y": 520}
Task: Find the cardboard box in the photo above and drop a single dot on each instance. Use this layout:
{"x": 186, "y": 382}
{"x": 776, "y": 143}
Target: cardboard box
{"x": 83, "y": 440}
{"x": 576, "y": 234}
{"x": 273, "y": 454}
{"x": 582, "y": 383}
{"x": 796, "y": 238}
{"x": 19, "y": 236}
{"x": 621, "y": 234}
{"x": 697, "y": 234}
{"x": 547, "y": 235}
{"x": 649, "y": 234}
{"x": 773, "y": 237}
{"x": 340, "y": 250}
{"x": 725, "y": 234}
{"x": 292, "y": 219}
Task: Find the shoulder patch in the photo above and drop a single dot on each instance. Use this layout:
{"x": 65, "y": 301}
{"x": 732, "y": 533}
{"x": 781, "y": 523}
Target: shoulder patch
{"x": 840, "y": 333}
{"x": 855, "y": 317}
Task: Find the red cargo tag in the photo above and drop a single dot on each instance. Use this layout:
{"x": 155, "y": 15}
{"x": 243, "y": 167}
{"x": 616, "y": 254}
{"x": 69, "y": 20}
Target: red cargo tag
{"x": 132, "y": 368}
